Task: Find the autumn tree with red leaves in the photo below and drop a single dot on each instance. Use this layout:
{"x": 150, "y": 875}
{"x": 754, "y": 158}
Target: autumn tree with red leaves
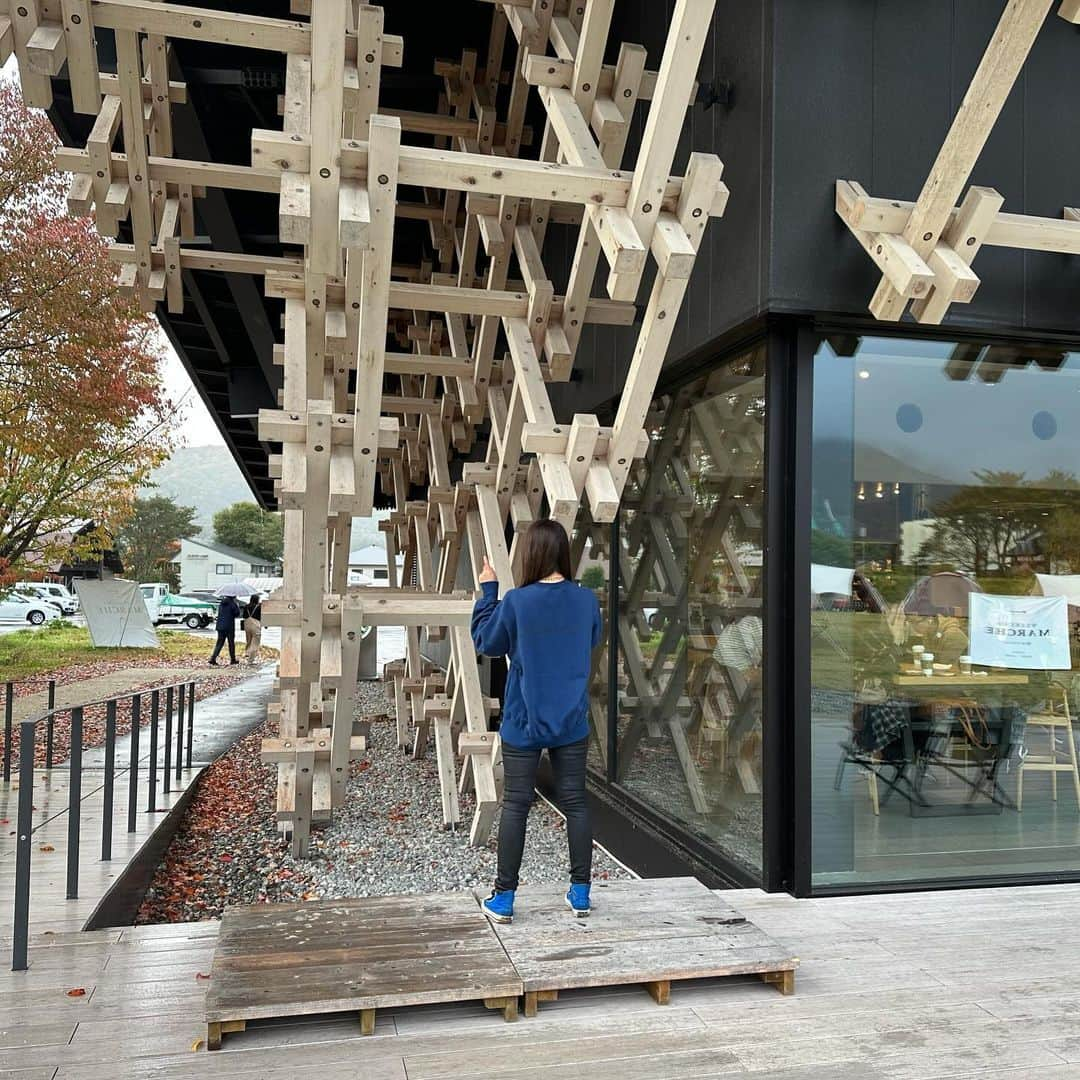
{"x": 83, "y": 416}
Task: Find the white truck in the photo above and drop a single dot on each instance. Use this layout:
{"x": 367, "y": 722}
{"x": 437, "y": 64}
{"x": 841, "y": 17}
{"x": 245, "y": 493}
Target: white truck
{"x": 165, "y": 606}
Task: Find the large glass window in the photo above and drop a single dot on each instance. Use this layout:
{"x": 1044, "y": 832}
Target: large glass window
{"x": 945, "y": 600}
{"x": 689, "y": 619}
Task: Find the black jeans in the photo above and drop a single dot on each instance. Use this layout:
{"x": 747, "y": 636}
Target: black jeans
{"x": 519, "y": 766}
{"x": 222, "y": 637}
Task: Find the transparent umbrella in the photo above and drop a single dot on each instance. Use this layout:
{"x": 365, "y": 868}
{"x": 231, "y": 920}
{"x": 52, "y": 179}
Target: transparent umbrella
{"x": 237, "y": 589}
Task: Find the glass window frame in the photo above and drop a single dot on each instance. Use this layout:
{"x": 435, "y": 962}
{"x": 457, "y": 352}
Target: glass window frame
{"x": 808, "y": 335}
{"x": 778, "y": 337}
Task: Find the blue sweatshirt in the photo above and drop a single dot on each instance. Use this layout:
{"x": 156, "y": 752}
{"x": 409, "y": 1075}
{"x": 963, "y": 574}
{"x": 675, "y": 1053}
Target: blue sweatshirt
{"x": 548, "y": 631}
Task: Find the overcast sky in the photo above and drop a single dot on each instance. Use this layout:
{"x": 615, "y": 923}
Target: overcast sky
{"x": 197, "y": 428}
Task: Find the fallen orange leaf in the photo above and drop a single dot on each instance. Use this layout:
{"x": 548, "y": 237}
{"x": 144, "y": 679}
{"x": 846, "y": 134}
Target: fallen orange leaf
{"x": 78, "y": 991}
{"x": 47, "y": 847}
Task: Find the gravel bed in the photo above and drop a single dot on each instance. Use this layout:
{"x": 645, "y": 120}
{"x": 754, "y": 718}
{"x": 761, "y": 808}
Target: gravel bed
{"x": 227, "y": 849}
{"x": 388, "y": 838}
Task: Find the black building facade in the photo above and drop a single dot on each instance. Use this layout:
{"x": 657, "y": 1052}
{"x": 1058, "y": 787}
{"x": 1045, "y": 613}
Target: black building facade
{"x": 830, "y": 500}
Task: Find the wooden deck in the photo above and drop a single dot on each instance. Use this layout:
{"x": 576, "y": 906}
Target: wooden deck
{"x": 359, "y": 956}
{"x": 649, "y": 933}
{"x": 304, "y": 959}
{"x": 966, "y": 985}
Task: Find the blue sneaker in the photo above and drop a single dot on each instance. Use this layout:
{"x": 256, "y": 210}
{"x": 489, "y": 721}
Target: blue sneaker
{"x": 499, "y": 906}
{"x": 577, "y": 899}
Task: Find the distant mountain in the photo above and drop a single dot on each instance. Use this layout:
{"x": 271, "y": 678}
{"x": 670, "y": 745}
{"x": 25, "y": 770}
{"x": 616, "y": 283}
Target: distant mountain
{"x": 205, "y": 477}
{"x": 833, "y": 464}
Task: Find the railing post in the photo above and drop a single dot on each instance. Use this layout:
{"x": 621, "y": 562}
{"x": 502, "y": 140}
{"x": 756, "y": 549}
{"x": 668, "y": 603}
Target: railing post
{"x": 133, "y": 761}
{"x": 9, "y": 713}
{"x": 50, "y": 724}
{"x": 151, "y": 797}
{"x": 24, "y": 840}
{"x": 166, "y": 786}
{"x": 110, "y": 774}
{"x": 74, "y": 802}
{"x": 190, "y": 720}
{"x": 180, "y": 711}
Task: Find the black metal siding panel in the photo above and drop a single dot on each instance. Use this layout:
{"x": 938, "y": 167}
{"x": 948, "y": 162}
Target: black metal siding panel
{"x": 729, "y": 282}
{"x": 1051, "y": 152}
{"x": 822, "y": 124}
{"x": 866, "y": 91}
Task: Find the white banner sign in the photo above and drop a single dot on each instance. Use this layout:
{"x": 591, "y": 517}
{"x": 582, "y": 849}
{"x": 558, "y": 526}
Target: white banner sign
{"x": 831, "y": 579}
{"x": 1067, "y": 585}
{"x": 1028, "y": 632}
{"x": 115, "y": 613}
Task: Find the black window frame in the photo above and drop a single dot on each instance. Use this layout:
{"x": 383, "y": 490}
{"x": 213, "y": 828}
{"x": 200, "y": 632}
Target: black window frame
{"x": 809, "y": 335}
{"x": 778, "y": 337}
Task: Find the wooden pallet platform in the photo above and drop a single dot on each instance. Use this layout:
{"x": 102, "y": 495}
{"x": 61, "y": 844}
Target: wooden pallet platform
{"x": 275, "y": 960}
{"x": 652, "y": 932}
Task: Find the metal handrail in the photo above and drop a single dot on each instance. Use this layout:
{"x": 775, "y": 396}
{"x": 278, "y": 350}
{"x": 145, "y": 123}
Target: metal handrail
{"x": 182, "y": 694}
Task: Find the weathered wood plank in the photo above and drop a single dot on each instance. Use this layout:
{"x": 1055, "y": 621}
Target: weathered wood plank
{"x": 355, "y": 955}
{"x": 647, "y": 932}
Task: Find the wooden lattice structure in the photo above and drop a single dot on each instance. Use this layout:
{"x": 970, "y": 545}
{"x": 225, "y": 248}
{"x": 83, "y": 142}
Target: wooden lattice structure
{"x": 925, "y": 249}
{"x": 690, "y": 510}
{"x": 478, "y": 332}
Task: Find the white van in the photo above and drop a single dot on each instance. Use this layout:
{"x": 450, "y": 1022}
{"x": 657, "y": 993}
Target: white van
{"x": 52, "y": 593}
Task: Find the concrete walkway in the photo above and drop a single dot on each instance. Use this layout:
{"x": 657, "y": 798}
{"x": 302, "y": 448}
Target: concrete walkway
{"x": 219, "y": 721}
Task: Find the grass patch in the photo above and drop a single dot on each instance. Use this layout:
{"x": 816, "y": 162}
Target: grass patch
{"x": 61, "y": 644}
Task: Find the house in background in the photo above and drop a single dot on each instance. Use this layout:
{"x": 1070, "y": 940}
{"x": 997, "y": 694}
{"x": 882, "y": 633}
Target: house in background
{"x": 208, "y": 566}
{"x": 101, "y": 562}
{"x": 368, "y": 565}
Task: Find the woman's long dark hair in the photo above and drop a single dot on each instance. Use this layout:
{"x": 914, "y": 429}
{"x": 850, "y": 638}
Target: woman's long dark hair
{"x": 546, "y": 551}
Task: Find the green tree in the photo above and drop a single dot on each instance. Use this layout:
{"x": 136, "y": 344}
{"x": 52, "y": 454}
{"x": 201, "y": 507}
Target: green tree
{"x": 830, "y": 550}
{"x": 980, "y": 527}
{"x": 151, "y": 534}
{"x": 83, "y": 412}
{"x": 250, "y": 528}
{"x": 593, "y": 578}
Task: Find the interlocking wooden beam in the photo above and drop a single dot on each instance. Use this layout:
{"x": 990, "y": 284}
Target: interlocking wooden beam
{"x": 396, "y": 363}
{"x": 925, "y": 249}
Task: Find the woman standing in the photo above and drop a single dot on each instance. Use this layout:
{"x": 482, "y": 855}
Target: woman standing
{"x": 547, "y": 629}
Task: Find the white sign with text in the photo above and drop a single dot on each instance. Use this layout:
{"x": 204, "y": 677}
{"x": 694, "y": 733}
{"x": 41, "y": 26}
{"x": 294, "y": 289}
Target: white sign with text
{"x": 116, "y": 613}
{"x": 1027, "y": 632}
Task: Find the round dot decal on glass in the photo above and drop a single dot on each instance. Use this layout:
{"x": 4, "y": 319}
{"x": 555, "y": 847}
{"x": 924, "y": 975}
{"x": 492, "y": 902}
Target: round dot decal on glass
{"x": 1044, "y": 425}
{"x": 909, "y": 418}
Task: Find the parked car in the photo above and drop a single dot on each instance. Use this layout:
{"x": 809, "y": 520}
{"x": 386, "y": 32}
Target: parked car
{"x": 164, "y": 606}
{"x": 18, "y": 607}
{"x": 49, "y": 591}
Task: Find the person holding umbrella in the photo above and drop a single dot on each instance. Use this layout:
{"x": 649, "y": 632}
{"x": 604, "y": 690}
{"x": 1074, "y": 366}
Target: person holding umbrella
{"x": 227, "y": 613}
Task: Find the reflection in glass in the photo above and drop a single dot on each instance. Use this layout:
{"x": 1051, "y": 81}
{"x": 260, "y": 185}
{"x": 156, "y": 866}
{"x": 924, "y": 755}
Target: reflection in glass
{"x": 945, "y": 519}
{"x": 591, "y": 563}
{"x": 689, "y": 614}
